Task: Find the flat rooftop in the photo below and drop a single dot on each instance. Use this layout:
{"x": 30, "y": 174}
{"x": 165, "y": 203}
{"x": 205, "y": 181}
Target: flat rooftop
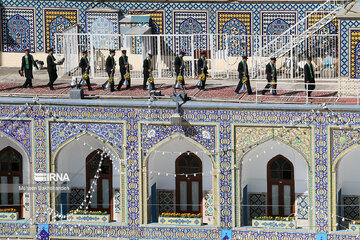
{"x": 216, "y": 90}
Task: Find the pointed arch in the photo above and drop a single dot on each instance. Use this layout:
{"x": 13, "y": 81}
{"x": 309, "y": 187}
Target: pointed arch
{"x": 18, "y": 33}
{"x": 172, "y": 137}
{"x": 23, "y": 149}
{"x": 208, "y": 163}
{"x": 91, "y": 134}
{"x": 277, "y": 27}
{"x": 190, "y": 26}
{"x": 281, "y": 141}
{"x": 236, "y": 24}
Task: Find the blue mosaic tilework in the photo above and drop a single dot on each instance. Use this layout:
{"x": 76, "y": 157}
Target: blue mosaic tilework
{"x": 257, "y": 203}
{"x": 117, "y": 201}
{"x": 345, "y": 26}
{"x": 275, "y": 23}
{"x": 14, "y": 229}
{"x": 61, "y": 132}
{"x": 351, "y": 207}
{"x": 166, "y": 201}
{"x": 18, "y": 30}
{"x": 300, "y": 8}
{"x": 302, "y": 203}
{"x": 103, "y": 23}
{"x": 57, "y": 21}
{"x": 235, "y": 23}
{"x": 190, "y": 23}
{"x": 224, "y": 118}
{"x": 204, "y": 135}
{"x": 19, "y": 131}
{"x": 76, "y": 198}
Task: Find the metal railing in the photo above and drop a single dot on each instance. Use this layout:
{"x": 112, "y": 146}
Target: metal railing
{"x": 298, "y": 93}
{"x": 224, "y": 52}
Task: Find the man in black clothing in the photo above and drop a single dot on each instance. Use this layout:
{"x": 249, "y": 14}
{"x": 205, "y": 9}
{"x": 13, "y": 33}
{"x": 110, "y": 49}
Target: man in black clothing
{"x": 147, "y": 69}
{"x": 243, "y": 72}
{"x": 309, "y": 77}
{"x": 27, "y": 64}
{"x": 180, "y": 67}
{"x": 110, "y": 69}
{"x": 124, "y": 68}
{"x": 202, "y": 68}
{"x": 271, "y": 76}
{"x": 85, "y": 67}
{"x": 51, "y": 68}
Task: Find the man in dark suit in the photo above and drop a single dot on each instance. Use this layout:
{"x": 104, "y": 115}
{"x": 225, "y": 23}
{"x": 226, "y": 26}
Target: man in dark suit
{"x": 124, "y": 68}
{"x": 51, "y": 68}
{"x": 309, "y": 77}
{"x": 271, "y": 76}
{"x": 202, "y": 68}
{"x": 180, "y": 67}
{"x": 110, "y": 69}
{"x": 85, "y": 67}
{"x": 147, "y": 70}
{"x": 27, "y": 64}
{"x": 243, "y": 72}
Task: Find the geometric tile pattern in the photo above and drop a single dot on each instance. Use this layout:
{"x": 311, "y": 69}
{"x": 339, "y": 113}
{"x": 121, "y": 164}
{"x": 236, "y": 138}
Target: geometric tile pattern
{"x": 18, "y": 131}
{"x": 248, "y": 137}
{"x": 61, "y": 132}
{"x": 76, "y": 198}
{"x": 166, "y": 201}
{"x": 208, "y": 205}
{"x": 257, "y": 205}
{"x": 117, "y": 202}
{"x": 302, "y": 202}
{"x": 18, "y": 31}
{"x": 345, "y": 43}
{"x": 355, "y": 53}
{"x": 57, "y": 21}
{"x": 235, "y": 23}
{"x": 219, "y": 127}
{"x": 330, "y": 28}
{"x": 103, "y": 23}
{"x": 27, "y": 201}
{"x": 154, "y": 133}
{"x": 275, "y": 23}
{"x": 186, "y": 22}
{"x": 351, "y": 207}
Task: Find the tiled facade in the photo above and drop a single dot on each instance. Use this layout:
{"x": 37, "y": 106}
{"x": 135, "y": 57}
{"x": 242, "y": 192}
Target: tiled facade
{"x": 209, "y": 125}
{"x": 45, "y": 18}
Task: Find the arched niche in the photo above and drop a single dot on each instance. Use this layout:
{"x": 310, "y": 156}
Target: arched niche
{"x": 345, "y": 188}
{"x": 251, "y": 182}
{"x": 158, "y": 168}
{"x": 71, "y": 158}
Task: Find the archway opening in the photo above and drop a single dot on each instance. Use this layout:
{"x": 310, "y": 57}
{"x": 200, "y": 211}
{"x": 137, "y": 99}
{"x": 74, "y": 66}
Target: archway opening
{"x": 178, "y": 178}
{"x": 94, "y": 170}
{"x": 11, "y": 173}
{"x": 273, "y": 182}
{"x": 347, "y": 189}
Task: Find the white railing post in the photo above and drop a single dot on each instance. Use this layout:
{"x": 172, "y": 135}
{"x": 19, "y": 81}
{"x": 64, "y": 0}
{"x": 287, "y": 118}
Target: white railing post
{"x": 357, "y": 97}
{"x": 227, "y": 56}
{"x": 291, "y": 59}
{"x": 92, "y": 56}
{"x": 159, "y": 56}
{"x": 212, "y": 50}
{"x": 192, "y": 57}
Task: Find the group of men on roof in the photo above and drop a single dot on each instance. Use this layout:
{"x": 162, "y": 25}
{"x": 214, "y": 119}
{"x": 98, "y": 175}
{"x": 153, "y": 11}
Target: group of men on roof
{"x": 148, "y": 82}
